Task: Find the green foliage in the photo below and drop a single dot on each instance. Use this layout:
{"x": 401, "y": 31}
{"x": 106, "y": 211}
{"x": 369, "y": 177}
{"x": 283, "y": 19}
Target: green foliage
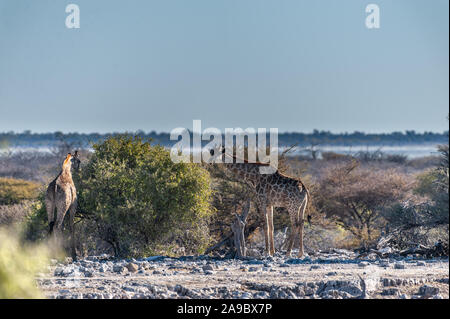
{"x": 13, "y": 191}
{"x": 138, "y": 198}
{"x": 36, "y": 224}
{"x": 18, "y": 267}
{"x": 434, "y": 184}
{"x": 442, "y": 182}
{"x": 425, "y": 182}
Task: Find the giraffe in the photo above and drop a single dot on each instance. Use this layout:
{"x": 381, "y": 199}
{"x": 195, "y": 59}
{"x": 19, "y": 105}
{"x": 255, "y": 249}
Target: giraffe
{"x": 273, "y": 190}
{"x": 62, "y": 195}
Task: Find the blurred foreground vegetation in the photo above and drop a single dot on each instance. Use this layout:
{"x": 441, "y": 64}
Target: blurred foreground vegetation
{"x": 19, "y": 265}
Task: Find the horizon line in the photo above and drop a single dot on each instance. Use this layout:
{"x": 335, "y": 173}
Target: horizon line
{"x": 168, "y": 132}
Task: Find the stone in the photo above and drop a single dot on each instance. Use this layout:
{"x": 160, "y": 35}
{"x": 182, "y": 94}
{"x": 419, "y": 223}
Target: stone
{"x": 399, "y": 266}
{"x": 246, "y": 295}
{"x": 385, "y": 250}
{"x": 59, "y": 271}
{"x": 118, "y": 268}
{"x": 63, "y": 291}
{"x": 207, "y": 268}
{"x": 363, "y": 264}
{"x": 353, "y": 287}
{"x": 428, "y": 291}
{"x": 391, "y": 292}
{"x": 421, "y": 263}
{"x": 132, "y": 267}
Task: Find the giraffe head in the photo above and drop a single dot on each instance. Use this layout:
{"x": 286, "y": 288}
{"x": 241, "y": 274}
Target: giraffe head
{"x": 76, "y": 161}
{"x": 72, "y": 161}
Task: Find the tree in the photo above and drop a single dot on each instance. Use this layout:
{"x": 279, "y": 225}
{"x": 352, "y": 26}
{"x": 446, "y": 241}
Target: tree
{"x": 357, "y": 196}
{"x": 138, "y": 198}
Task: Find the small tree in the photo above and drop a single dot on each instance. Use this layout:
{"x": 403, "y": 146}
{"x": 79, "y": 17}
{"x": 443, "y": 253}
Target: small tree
{"x": 356, "y": 197}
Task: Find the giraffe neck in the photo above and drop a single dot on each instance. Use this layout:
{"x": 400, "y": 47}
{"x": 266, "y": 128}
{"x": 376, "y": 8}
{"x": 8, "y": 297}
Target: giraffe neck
{"x": 66, "y": 174}
{"x": 248, "y": 172}
{"x": 244, "y": 170}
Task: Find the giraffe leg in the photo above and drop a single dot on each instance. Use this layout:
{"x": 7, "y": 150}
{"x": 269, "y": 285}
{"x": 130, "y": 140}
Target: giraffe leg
{"x": 301, "y": 221}
{"x": 266, "y": 233}
{"x": 72, "y": 211}
{"x": 294, "y": 230}
{"x": 262, "y": 210}
{"x": 300, "y": 234}
{"x": 50, "y": 207}
{"x": 61, "y": 209}
{"x": 270, "y": 229}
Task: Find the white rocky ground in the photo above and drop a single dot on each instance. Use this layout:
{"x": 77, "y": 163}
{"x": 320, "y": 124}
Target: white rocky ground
{"x": 336, "y": 274}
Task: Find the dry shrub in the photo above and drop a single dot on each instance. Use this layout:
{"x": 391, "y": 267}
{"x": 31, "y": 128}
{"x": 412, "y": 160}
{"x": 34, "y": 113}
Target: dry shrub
{"x": 355, "y": 197}
{"x": 35, "y": 166}
{"x": 422, "y": 163}
{"x": 14, "y": 214}
{"x": 333, "y": 156}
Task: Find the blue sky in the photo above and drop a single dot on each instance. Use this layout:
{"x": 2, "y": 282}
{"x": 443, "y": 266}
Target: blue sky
{"x": 291, "y": 64}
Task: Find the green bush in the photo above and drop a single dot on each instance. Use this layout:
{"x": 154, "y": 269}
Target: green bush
{"x": 140, "y": 200}
{"x": 36, "y": 223}
{"x": 434, "y": 185}
{"x": 14, "y": 191}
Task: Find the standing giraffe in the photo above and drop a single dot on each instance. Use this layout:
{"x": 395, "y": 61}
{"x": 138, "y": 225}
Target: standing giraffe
{"x": 273, "y": 190}
{"x": 62, "y": 195}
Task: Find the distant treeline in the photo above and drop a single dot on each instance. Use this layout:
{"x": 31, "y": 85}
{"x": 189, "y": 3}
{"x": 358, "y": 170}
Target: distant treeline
{"x": 29, "y": 139}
